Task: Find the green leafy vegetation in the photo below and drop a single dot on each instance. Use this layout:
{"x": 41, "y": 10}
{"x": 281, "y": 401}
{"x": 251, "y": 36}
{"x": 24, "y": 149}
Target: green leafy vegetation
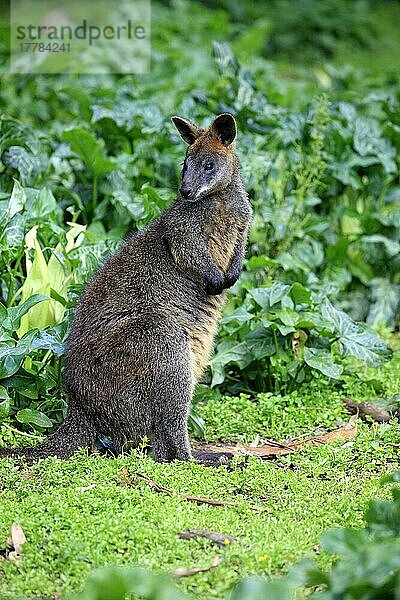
{"x": 102, "y": 161}
{"x": 84, "y": 160}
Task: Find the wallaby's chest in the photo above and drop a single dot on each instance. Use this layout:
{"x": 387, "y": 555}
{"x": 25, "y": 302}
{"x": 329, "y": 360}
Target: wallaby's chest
{"x": 221, "y": 234}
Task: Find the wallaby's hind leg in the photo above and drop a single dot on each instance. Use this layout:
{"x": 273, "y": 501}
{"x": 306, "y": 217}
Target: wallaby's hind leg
{"x": 151, "y": 387}
{"x": 171, "y": 439}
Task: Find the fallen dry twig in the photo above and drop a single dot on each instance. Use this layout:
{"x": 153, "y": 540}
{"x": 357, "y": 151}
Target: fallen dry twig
{"x": 126, "y": 481}
{"x": 188, "y": 572}
{"x": 272, "y": 448}
{"x": 219, "y": 539}
{"x": 367, "y": 409}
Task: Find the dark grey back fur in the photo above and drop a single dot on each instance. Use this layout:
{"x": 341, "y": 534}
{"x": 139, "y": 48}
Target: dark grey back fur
{"x": 144, "y": 327}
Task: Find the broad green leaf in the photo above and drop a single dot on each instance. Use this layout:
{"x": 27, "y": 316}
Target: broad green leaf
{"x": 322, "y": 360}
{"x": 11, "y": 358}
{"x": 369, "y": 142}
{"x": 236, "y": 319}
{"x": 196, "y": 424}
{"x": 259, "y": 262}
{"x": 3, "y": 314}
{"x": 383, "y": 516}
{"x": 228, "y": 352}
{"x": 385, "y": 298}
{"x": 310, "y": 252}
{"x": 13, "y": 133}
{"x": 267, "y": 297}
{"x": 29, "y": 165}
{"x": 4, "y": 403}
{"x": 299, "y": 294}
{"x": 44, "y": 206}
{"x": 48, "y": 339}
{"x": 337, "y": 275}
{"x": 277, "y": 292}
{"x": 359, "y": 268}
{"x": 287, "y": 316}
{"x": 260, "y": 589}
{"x": 285, "y": 329}
{"x": 356, "y": 339}
{"x": 261, "y": 296}
{"x": 344, "y": 542}
{"x": 90, "y": 149}
{"x": 36, "y": 417}
{"x": 4, "y": 409}
{"x": 3, "y": 393}
{"x": 260, "y": 342}
{"x": 116, "y": 583}
{"x": 25, "y": 384}
{"x": 392, "y": 246}
{"x": 11, "y": 320}
{"x": 15, "y": 231}
{"x": 350, "y": 225}
{"x": 17, "y": 199}
{"x": 225, "y": 59}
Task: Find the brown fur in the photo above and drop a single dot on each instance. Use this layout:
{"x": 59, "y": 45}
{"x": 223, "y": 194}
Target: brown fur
{"x": 144, "y": 327}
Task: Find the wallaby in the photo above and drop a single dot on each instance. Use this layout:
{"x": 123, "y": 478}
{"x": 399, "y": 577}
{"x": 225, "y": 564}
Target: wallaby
{"x": 144, "y": 327}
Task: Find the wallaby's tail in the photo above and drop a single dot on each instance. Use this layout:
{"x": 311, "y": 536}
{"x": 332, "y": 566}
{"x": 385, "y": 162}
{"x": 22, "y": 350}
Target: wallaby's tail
{"x": 76, "y": 432}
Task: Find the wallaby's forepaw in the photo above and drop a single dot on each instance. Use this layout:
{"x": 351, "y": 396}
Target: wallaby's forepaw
{"x": 233, "y": 273}
{"x": 214, "y": 284}
{"x": 230, "y": 280}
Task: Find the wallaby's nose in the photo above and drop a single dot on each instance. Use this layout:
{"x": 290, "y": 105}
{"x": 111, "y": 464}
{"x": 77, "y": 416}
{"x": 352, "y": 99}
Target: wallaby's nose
{"x": 186, "y": 192}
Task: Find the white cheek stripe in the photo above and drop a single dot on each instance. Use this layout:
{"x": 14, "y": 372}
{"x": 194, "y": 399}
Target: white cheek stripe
{"x": 204, "y": 188}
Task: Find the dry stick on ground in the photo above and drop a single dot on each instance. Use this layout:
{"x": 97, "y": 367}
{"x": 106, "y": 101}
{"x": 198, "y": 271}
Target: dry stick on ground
{"x": 211, "y": 501}
{"x": 367, "y": 409}
{"x": 272, "y": 449}
{"x": 219, "y": 539}
{"x": 188, "y": 572}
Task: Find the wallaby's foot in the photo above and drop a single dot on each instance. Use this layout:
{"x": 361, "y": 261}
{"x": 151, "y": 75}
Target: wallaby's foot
{"x": 171, "y": 442}
{"x": 165, "y": 451}
{"x": 165, "y": 454}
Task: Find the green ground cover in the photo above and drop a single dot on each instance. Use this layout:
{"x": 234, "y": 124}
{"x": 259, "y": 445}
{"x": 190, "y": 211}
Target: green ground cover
{"x": 77, "y": 517}
{"x": 71, "y": 530}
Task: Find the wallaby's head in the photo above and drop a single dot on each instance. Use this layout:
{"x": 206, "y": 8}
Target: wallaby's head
{"x": 210, "y": 160}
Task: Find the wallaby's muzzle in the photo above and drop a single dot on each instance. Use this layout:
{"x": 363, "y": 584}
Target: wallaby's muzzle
{"x": 186, "y": 192}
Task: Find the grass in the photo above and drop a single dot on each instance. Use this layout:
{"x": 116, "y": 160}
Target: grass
{"x": 77, "y": 517}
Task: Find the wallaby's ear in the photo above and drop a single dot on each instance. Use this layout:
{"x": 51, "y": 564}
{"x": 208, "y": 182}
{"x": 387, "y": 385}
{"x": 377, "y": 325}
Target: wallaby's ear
{"x": 224, "y": 128}
{"x": 188, "y": 131}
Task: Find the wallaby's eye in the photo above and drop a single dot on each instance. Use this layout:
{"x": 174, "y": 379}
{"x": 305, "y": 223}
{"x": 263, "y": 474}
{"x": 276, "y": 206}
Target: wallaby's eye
{"x": 209, "y": 165}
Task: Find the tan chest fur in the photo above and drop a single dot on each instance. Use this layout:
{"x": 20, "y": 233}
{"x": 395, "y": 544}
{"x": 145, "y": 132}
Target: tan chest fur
{"x": 222, "y": 234}
{"x": 201, "y": 339}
